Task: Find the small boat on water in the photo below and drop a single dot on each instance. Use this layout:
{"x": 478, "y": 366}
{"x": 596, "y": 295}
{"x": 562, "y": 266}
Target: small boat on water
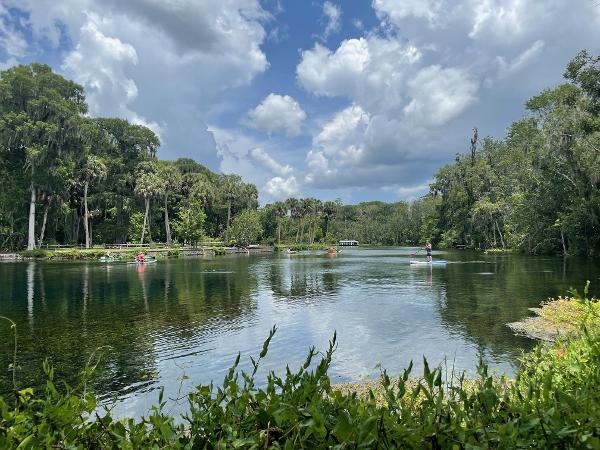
{"x": 108, "y": 259}
{"x": 143, "y": 261}
{"x": 289, "y": 251}
{"x": 439, "y": 262}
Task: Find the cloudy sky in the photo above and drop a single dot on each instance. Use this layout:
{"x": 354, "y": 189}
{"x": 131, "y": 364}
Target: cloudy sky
{"x": 351, "y": 99}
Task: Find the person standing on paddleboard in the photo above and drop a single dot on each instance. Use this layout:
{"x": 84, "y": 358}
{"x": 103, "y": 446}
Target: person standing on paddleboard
{"x": 428, "y": 248}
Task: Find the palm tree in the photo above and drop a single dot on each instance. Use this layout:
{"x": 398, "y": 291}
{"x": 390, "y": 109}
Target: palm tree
{"x": 147, "y": 185}
{"x": 293, "y": 204}
{"x": 280, "y": 210}
{"x": 170, "y": 181}
{"x": 203, "y": 191}
{"x": 330, "y": 210}
{"x": 231, "y": 187}
{"x": 93, "y": 170}
{"x": 34, "y": 157}
{"x": 317, "y": 210}
{"x": 305, "y": 207}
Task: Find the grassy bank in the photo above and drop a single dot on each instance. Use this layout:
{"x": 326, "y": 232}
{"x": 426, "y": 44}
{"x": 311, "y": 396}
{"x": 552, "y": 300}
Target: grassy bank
{"x": 554, "y": 402}
{"x": 559, "y": 317}
{"x": 124, "y": 253}
{"x": 300, "y": 247}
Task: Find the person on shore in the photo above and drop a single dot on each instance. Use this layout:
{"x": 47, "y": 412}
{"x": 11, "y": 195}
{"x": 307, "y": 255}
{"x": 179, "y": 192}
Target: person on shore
{"x": 428, "y": 248}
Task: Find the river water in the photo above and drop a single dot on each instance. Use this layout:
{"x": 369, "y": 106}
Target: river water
{"x": 191, "y": 316}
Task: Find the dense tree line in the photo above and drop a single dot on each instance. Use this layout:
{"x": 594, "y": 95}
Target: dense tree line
{"x": 71, "y": 178}
{"x": 538, "y": 189}
{"x": 309, "y": 221}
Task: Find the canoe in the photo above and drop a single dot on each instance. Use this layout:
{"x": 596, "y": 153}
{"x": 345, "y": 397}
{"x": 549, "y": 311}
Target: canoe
{"x": 148, "y": 261}
{"x": 438, "y": 262}
{"x": 105, "y": 259}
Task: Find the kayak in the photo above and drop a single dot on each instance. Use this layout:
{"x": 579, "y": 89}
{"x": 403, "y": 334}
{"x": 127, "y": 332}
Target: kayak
{"x": 438, "y": 262}
{"x": 105, "y": 259}
{"x": 147, "y": 261}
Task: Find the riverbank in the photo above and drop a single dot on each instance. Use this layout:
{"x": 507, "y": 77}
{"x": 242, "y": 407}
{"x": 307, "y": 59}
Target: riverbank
{"x": 556, "y": 318}
{"x": 93, "y": 254}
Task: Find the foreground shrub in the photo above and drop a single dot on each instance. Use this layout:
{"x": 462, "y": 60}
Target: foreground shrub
{"x": 554, "y": 402}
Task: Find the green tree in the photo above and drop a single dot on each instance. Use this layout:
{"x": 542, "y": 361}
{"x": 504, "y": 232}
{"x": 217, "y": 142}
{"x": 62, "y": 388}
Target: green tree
{"x": 171, "y": 181}
{"x": 245, "y": 229}
{"x": 39, "y": 113}
{"x": 230, "y": 188}
{"x": 189, "y": 224}
{"x": 148, "y": 185}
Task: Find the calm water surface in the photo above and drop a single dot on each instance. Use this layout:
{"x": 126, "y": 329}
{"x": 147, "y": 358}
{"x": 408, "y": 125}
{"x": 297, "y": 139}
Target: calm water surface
{"x": 191, "y": 316}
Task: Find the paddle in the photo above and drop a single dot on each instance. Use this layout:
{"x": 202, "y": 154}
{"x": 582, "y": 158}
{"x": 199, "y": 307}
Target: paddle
{"x": 414, "y": 253}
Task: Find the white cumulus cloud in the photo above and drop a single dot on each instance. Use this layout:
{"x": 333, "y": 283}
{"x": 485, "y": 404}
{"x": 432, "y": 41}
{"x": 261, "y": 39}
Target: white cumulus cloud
{"x": 396, "y": 100}
{"x": 263, "y": 158}
{"x": 439, "y": 94}
{"x": 100, "y": 63}
{"x": 333, "y": 14}
{"x": 279, "y": 188}
{"x": 277, "y": 113}
{"x": 397, "y": 10}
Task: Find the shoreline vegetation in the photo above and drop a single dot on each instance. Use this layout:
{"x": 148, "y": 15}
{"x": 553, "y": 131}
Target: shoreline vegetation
{"x": 553, "y": 402}
{"x": 559, "y": 318}
{"x": 99, "y": 180}
{"x": 555, "y": 319}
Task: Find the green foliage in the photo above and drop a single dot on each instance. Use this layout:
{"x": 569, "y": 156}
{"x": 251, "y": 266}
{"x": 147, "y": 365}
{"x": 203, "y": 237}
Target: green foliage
{"x": 136, "y": 222}
{"x": 553, "y": 403}
{"x": 245, "y": 229}
{"x": 174, "y": 252}
{"x": 538, "y": 189}
{"x": 189, "y": 225}
{"x": 69, "y": 163}
{"x": 309, "y": 221}
{"x": 37, "y": 253}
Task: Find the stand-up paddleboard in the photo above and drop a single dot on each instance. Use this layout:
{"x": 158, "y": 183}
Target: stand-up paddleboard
{"x": 438, "y": 262}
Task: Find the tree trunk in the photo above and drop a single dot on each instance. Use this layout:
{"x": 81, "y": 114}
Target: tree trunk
{"x": 86, "y": 227}
{"x": 564, "y": 244}
{"x": 228, "y": 214}
{"x": 279, "y": 232}
{"x": 147, "y": 201}
{"x": 76, "y": 221}
{"x": 43, "y": 231}
{"x": 298, "y": 233}
{"x": 167, "y": 226}
{"x": 120, "y": 236}
{"x": 500, "y": 233}
{"x": 31, "y": 233}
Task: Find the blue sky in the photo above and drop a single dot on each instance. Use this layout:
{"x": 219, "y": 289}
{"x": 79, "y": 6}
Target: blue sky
{"x": 358, "y": 100}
